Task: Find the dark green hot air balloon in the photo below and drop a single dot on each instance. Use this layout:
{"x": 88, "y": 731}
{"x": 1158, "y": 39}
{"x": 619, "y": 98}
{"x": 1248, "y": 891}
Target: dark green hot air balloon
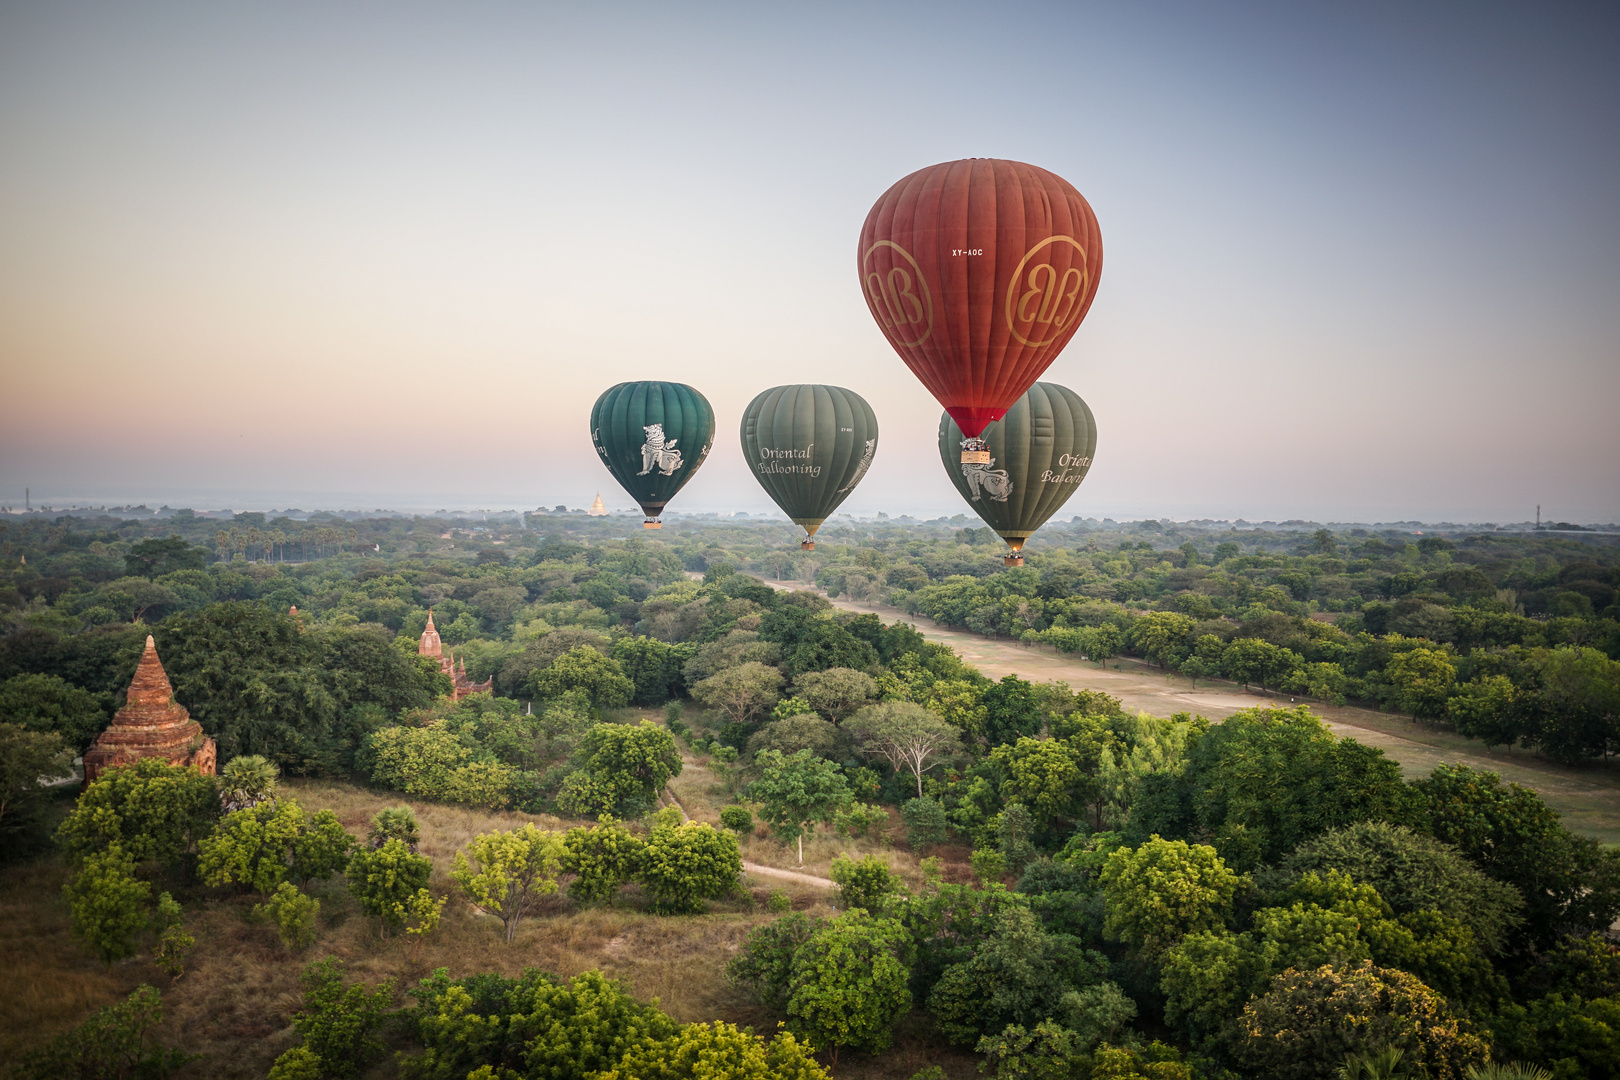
{"x": 652, "y": 436}
{"x": 1039, "y": 453}
{"x": 808, "y": 446}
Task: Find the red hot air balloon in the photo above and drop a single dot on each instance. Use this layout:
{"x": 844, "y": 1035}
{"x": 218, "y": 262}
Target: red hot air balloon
{"x": 979, "y": 272}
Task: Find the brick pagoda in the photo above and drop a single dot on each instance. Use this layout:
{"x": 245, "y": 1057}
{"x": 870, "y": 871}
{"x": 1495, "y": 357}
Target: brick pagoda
{"x": 460, "y": 684}
{"x": 150, "y": 725}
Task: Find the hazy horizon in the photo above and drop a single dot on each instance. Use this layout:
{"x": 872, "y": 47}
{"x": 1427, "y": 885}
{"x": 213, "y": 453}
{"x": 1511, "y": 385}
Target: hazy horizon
{"x": 1361, "y": 264}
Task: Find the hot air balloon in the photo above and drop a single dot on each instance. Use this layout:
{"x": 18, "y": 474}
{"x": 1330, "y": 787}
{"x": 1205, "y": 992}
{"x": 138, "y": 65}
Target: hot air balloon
{"x": 653, "y": 436}
{"x": 979, "y": 272}
{"x": 808, "y": 446}
{"x": 1039, "y": 453}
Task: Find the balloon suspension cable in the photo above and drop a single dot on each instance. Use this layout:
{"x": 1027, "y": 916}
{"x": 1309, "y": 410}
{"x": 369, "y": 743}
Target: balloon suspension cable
{"x": 975, "y": 451}
{"x": 652, "y": 523}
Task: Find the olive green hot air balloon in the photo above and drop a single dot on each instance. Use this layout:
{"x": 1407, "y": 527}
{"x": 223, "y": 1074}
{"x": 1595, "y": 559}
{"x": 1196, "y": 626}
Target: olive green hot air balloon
{"x": 808, "y": 446}
{"x": 652, "y": 436}
{"x": 1039, "y": 451}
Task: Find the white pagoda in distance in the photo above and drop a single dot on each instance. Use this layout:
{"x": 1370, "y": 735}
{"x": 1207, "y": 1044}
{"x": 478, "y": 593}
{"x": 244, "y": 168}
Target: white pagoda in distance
{"x": 597, "y": 508}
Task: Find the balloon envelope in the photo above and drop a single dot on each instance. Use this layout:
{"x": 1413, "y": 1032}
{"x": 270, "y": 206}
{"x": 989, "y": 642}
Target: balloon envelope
{"x": 979, "y": 272}
{"x": 808, "y": 446}
{"x": 1040, "y": 451}
{"x": 652, "y": 436}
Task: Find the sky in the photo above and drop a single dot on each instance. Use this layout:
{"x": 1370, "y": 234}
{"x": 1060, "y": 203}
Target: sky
{"x": 1362, "y": 259}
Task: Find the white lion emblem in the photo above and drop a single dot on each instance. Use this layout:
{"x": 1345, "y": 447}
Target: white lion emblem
{"x": 860, "y": 471}
{"x": 655, "y": 451}
{"x": 994, "y": 482}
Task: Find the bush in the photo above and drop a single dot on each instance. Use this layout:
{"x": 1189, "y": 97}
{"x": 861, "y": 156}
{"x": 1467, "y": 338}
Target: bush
{"x": 850, "y": 983}
{"x": 385, "y": 878}
{"x": 739, "y": 819}
{"x": 719, "y": 1051}
{"x": 156, "y": 812}
{"x": 514, "y": 869}
{"x": 299, "y": 1063}
{"x": 764, "y": 964}
{"x": 778, "y": 902}
{"x": 868, "y": 884}
{"x": 112, "y": 1043}
{"x": 295, "y": 915}
{"x": 338, "y": 1022}
{"x": 684, "y": 865}
{"x": 173, "y": 943}
{"x": 394, "y": 823}
{"x": 858, "y": 819}
{"x": 925, "y": 823}
{"x": 108, "y": 904}
{"x": 989, "y": 865}
{"x": 603, "y": 859}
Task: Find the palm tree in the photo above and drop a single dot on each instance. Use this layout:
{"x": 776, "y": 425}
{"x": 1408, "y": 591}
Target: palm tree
{"x": 246, "y": 781}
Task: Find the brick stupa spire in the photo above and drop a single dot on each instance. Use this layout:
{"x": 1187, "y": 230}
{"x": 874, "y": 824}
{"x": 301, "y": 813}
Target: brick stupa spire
{"x": 150, "y": 725}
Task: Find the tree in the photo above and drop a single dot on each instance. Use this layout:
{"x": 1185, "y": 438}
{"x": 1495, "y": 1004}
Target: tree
{"x": 1423, "y": 680}
{"x": 514, "y": 869}
{"x": 385, "y": 878}
{"x": 910, "y": 738}
{"x": 836, "y": 692}
{"x": 743, "y": 692}
{"x": 718, "y": 1051}
{"x": 601, "y": 858}
{"x": 173, "y": 943}
{"x": 1571, "y": 885}
{"x": 1017, "y": 973}
{"x": 868, "y": 884}
{"x": 684, "y": 865}
{"x": 1308, "y": 1021}
{"x": 26, "y": 757}
{"x": 1413, "y": 872}
{"x": 246, "y": 780}
{"x": 763, "y": 965}
{"x": 634, "y": 763}
{"x": 1054, "y": 778}
{"x": 925, "y": 823}
{"x": 156, "y": 812}
{"x": 654, "y": 666}
{"x": 1011, "y": 711}
{"x": 154, "y": 558}
{"x": 1160, "y": 635}
{"x": 46, "y": 703}
{"x": 112, "y": 1042}
{"x": 257, "y": 848}
{"x": 1162, "y": 891}
{"x": 796, "y": 792}
{"x": 1253, "y": 660}
{"x": 805, "y": 731}
{"x": 338, "y": 1021}
{"x": 850, "y": 983}
{"x": 1484, "y": 709}
{"x": 107, "y": 903}
{"x": 295, "y": 915}
{"x": 550, "y": 1027}
{"x": 584, "y": 669}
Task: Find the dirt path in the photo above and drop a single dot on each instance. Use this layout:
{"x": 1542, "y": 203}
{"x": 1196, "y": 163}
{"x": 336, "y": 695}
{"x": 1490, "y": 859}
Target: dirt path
{"x": 1587, "y": 797}
{"x": 669, "y": 798}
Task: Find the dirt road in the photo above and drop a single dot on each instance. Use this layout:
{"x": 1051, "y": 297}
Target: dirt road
{"x": 1588, "y": 797}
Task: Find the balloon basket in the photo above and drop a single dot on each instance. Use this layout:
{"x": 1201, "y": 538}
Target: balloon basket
{"x": 1015, "y": 559}
{"x": 807, "y": 545}
{"x": 975, "y": 451}
{"x": 652, "y": 523}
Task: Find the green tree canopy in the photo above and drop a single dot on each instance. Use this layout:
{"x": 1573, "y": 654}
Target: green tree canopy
{"x": 155, "y": 812}
{"x": 796, "y": 792}
{"x": 47, "y": 703}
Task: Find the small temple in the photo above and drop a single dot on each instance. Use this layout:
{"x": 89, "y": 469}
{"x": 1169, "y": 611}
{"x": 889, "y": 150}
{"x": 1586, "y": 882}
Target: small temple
{"x": 460, "y": 685}
{"x": 150, "y": 725}
{"x": 598, "y": 508}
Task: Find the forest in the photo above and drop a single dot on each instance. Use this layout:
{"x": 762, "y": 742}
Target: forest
{"x": 580, "y": 874}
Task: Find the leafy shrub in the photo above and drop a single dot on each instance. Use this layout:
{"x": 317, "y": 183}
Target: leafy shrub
{"x": 850, "y": 983}
{"x": 156, "y": 812}
{"x": 295, "y": 915}
{"x": 868, "y": 884}
{"x": 719, "y": 1050}
{"x": 394, "y": 823}
{"x": 684, "y": 865}
{"x": 513, "y": 870}
{"x": 764, "y": 964}
{"x": 857, "y": 819}
{"x": 339, "y": 1022}
{"x": 385, "y": 878}
{"x": 602, "y": 859}
{"x": 172, "y": 942}
{"x": 739, "y": 819}
{"x": 778, "y": 902}
{"x": 925, "y": 823}
{"x": 989, "y": 865}
{"x": 111, "y": 1043}
{"x": 107, "y": 903}
{"x": 299, "y": 1063}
